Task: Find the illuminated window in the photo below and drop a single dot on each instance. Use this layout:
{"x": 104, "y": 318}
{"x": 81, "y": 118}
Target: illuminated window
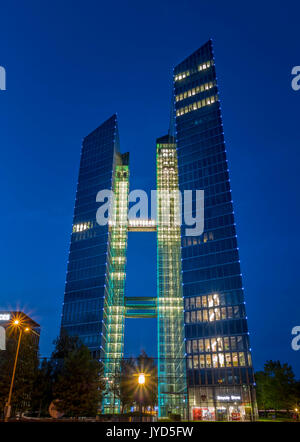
{"x": 228, "y": 359}
{"x": 217, "y": 314}
{"x": 215, "y": 360}
{"x": 249, "y": 360}
{"x": 208, "y": 361}
{"x": 214, "y": 344}
{"x": 242, "y": 358}
{"x": 196, "y": 90}
{"x": 235, "y": 359}
{"x": 207, "y": 345}
{"x": 216, "y": 299}
{"x": 221, "y": 360}
{"x": 202, "y": 361}
{"x": 200, "y": 67}
{"x": 201, "y": 345}
{"x": 196, "y": 361}
{"x": 82, "y": 226}
{"x": 220, "y": 344}
{"x": 195, "y": 346}
{"x": 197, "y": 105}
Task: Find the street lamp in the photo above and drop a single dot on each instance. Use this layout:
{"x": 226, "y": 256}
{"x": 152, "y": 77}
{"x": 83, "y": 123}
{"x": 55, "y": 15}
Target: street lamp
{"x": 141, "y": 382}
{"x": 16, "y": 323}
{"x": 141, "y": 379}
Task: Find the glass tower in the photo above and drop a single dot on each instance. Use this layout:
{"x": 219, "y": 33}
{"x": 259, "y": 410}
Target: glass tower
{"x": 219, "y": 368}
{"x": 204, "y": 360}
{"x": 114, "y": 306}
{"x": 172, "y": 394}
{"x": 89, "y": 259}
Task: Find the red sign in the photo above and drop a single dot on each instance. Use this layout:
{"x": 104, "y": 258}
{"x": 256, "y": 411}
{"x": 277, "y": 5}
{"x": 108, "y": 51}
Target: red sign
{"x": 236, "y": 416}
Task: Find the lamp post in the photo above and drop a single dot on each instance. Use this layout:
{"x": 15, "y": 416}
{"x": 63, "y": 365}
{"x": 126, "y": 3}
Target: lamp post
{"x": 16, "y": 323}
{"x": 141, "y": 381}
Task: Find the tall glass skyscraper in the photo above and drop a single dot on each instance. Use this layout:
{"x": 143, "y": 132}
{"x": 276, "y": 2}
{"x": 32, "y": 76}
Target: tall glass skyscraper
{"x": 203, "y": 340}
{"x": 172, "y": 392}
{"x": 89, "y": 260}
{"x": 219, "y": 366}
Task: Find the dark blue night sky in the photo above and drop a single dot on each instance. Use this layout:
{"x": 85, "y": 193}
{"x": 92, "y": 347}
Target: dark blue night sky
{"x": 70, "y": 65}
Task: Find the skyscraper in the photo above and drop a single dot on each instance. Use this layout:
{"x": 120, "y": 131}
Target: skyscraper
{"x": 89, "y": 259}
{"x": 219, "y": 366}
{"x": 204, "y": 359}
{"x": 172, "y": 393}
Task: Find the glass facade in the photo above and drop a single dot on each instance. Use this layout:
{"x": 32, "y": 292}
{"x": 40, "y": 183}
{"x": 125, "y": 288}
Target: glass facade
{"x": 204, "y": 359}
{"x": 219, "y": 367}
{"x": 114, "y": 306}
{"x": 86, "y": 280}
{"x": 172, "y": 394}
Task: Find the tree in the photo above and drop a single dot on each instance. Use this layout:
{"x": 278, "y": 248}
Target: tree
{"x": 78, "y": 387}
{"x": 26, "y": 371}
{"x": 127, "y": 385}
{"x": 42, "y": 394}
{"x": 276, "y": 386}
{"x": 64, "y": 345}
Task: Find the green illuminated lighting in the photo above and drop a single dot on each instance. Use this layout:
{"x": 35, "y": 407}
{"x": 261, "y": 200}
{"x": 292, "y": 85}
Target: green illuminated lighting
{"x": 172, "y": 390}
{"x": 114, "y": 307}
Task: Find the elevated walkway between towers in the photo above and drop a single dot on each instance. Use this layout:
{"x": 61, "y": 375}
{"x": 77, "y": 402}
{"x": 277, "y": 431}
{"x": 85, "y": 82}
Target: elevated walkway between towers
{"x": 140, "y": 307}
{"x": 141, "y": 225}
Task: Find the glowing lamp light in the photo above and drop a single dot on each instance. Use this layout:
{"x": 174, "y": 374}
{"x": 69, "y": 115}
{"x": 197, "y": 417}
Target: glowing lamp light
{"x": 141, "y": 379}
{"x": 16, "y": 322}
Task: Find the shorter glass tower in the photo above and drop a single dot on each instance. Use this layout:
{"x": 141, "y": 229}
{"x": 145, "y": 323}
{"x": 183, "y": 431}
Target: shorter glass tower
{"x": 171, "y": 363}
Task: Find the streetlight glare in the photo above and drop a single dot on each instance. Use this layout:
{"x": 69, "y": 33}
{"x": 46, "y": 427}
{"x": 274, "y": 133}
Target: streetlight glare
{"x": 141, "y": 378}
{"x": 16, "y": 322}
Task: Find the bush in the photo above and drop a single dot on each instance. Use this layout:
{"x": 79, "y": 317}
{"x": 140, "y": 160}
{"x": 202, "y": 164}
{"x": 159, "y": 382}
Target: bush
{"x": 174, "y": 417}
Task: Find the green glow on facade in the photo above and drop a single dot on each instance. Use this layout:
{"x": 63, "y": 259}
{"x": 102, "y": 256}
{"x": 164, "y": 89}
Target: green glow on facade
{"x": 114, "y": 307}
{"x": 172, "y": 390}
{"x": 167, "y": 307}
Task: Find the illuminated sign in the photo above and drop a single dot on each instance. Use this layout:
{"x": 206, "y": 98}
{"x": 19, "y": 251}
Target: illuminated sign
{"x": 4, "y": 317}
{"x": 232, "y": 397}
{"x": 2, "y": 338}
